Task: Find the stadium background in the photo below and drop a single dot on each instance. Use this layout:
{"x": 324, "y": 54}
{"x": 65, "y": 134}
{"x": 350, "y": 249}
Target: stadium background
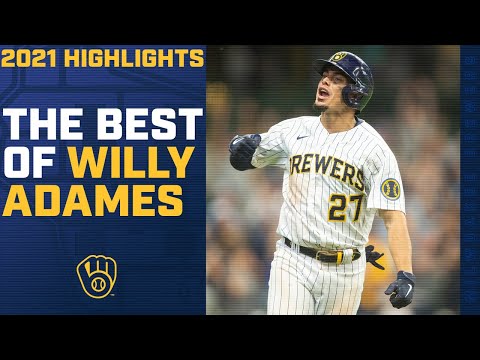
{"x": 416, "y": 108}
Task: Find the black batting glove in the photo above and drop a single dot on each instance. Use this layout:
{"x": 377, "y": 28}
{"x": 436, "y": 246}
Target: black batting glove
{"x": 401, "y": 290}
{"x": 242, "y": 149}
{"x": 373, "y": 256}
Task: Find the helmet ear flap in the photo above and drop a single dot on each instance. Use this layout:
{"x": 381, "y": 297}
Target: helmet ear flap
{"x": 353, "y": 95}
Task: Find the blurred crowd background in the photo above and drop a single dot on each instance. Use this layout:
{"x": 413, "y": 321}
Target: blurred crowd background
{"x": 416, "y": 108}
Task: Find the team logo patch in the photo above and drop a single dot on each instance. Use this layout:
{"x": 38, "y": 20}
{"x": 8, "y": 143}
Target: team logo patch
{"x": 391, "y": 189}
{"x": 97, "y": 274}
{"x": 338, "y": 56}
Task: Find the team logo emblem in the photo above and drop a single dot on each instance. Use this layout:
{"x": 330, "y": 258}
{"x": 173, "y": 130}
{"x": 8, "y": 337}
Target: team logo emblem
{"x": 97, "y": 274}
{"x": 338, "y": 56}
{"x": 391, "y": 189}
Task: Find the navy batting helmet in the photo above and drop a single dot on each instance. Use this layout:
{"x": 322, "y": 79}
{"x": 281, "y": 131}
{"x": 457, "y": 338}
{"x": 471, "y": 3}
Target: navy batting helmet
{"x": 358, "y": 94}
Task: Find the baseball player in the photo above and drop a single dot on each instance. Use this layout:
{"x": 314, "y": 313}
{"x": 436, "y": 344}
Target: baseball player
{"x": 338, "y": 174}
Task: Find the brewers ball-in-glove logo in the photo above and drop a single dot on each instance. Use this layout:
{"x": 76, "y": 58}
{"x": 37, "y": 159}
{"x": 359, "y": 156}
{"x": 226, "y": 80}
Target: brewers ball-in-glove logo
{"x": 338, "y": 56}
{"x": 391, "y": 189}
{"x": 97, "y": 274}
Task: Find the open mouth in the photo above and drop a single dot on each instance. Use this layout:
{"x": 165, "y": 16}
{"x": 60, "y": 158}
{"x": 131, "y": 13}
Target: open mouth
{"x": 322, "y": 93}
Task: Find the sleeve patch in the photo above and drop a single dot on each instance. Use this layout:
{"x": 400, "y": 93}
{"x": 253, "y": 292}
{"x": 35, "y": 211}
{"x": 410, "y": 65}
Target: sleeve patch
{"x": 391, "y": 189}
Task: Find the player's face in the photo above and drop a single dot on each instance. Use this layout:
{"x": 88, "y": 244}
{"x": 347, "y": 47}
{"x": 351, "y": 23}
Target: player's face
{"x": 329, "y": 90}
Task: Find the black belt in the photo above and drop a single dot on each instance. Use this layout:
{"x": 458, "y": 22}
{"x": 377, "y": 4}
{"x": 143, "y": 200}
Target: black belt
{"x": 330, "y": 256}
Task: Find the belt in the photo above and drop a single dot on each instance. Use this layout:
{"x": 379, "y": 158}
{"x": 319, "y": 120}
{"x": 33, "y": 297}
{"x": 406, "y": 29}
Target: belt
{"x": 329, "y": 256}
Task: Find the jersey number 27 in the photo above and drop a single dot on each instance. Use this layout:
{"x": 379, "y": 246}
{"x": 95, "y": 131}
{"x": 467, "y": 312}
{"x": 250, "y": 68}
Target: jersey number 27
{"x": 338, "y": 206}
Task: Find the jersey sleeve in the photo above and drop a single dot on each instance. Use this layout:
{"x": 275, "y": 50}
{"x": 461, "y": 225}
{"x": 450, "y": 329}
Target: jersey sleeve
{"x": 271, "y": 149}
{"x": 385, "y": 182}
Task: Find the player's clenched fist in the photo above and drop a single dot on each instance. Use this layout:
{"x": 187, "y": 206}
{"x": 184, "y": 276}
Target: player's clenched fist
{"x": 242, "y": 149}
{"x": 401, "y": 290}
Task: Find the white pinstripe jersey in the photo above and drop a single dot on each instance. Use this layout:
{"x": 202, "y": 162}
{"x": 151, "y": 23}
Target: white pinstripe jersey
{"x": 333, "y": 184}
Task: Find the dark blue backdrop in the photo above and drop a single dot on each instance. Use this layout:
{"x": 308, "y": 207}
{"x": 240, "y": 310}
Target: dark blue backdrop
{"x": 470, "y": 193}
{"x": 160, "y": 260}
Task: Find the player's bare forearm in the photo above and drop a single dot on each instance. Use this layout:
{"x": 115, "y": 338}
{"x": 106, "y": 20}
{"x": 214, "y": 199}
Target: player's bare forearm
{"x": 398, "y": 239}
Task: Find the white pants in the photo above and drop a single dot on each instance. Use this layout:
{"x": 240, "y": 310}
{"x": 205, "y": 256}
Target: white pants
{"x": 301, "y": 285}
